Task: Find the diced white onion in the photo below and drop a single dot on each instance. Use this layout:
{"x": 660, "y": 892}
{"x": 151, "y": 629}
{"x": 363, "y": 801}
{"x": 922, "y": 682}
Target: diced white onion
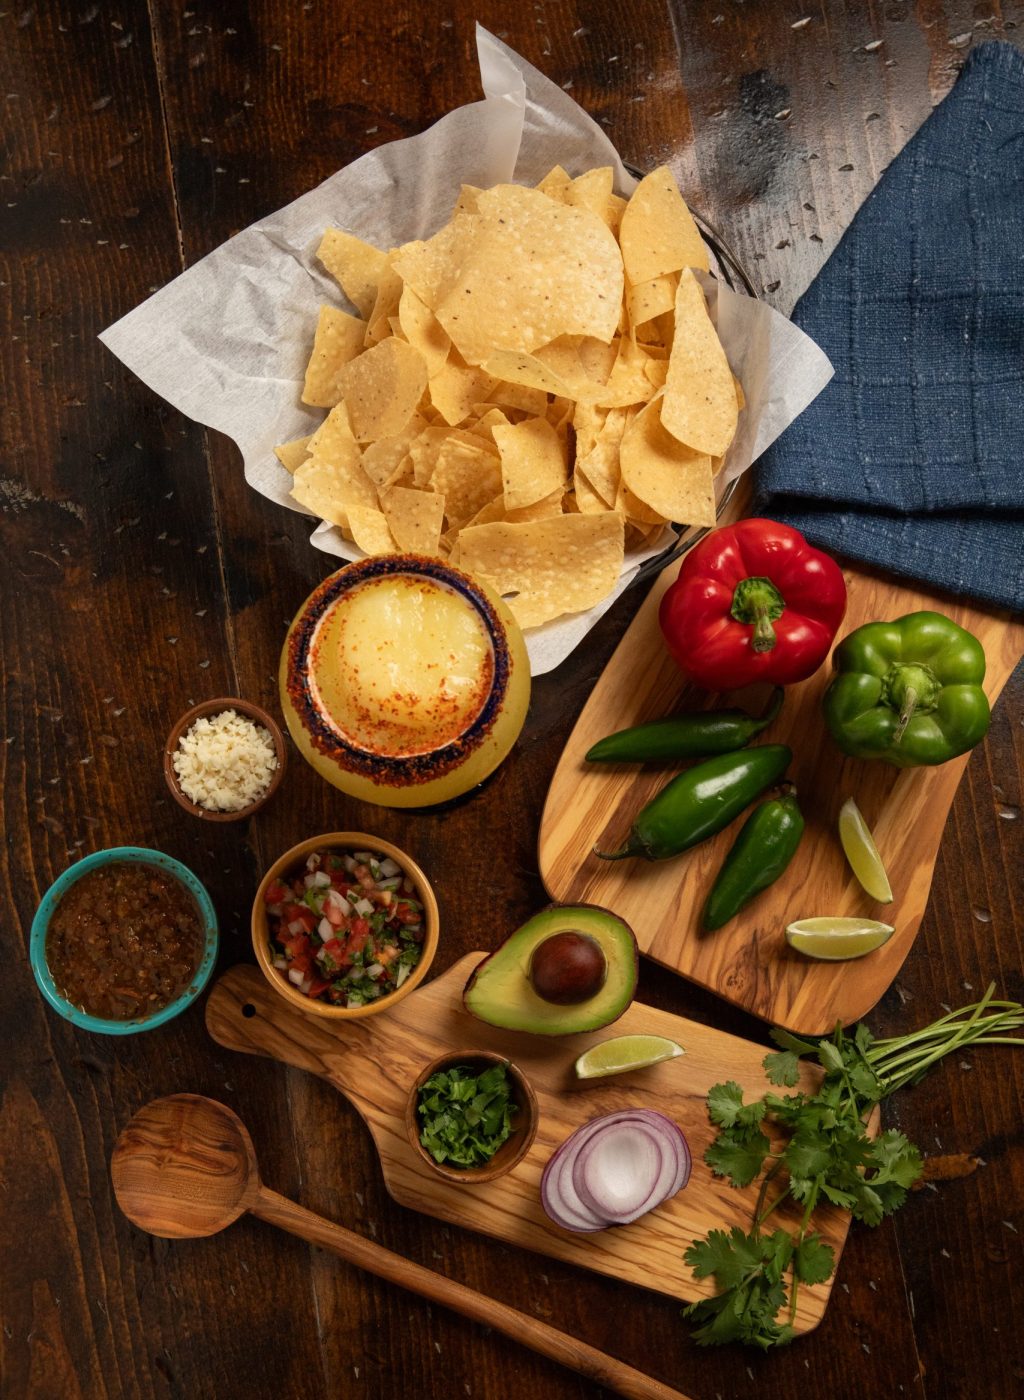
{"x": 322, "y": 880}
{"x": 325, "y": 929}
{"x": 389, "y": 867}
{"x": 402, "y": 974}
{"x": 296, "y": 926}
{"x": 295, "y": 976}
{"x": 363, "y": 908}
{"x": 375, "y": 970}
{"x": 281, "y": 964}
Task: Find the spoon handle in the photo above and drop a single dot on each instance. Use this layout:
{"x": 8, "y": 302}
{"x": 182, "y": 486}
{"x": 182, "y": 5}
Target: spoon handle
{"x": 375, "y": 1259}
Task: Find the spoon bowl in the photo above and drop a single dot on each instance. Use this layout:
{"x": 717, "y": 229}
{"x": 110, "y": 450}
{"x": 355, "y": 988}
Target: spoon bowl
{"x": 184, "y": 1167}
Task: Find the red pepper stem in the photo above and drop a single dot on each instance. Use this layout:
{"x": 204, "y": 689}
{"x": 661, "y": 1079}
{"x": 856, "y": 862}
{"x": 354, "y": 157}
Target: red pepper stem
{"x": 757, "y": 602}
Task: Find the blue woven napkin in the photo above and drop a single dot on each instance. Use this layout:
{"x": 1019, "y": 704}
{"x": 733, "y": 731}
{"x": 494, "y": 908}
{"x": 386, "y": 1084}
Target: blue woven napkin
{"x": 912, "y": 458}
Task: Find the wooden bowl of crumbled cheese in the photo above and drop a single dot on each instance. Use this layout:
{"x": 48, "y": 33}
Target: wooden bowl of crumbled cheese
{"x": 224, "y": 759}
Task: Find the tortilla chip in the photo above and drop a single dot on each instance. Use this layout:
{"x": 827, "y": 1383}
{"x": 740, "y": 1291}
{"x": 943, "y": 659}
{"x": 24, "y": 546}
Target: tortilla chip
{"x": 657, "y": 234}
{"x": 333, "y": 441}
{"x": 628, "y": 382}
{"x": 545, "y": 568}
{"x": 385, "y": 307}
{"x": 381, "y": 458}
{"x": 382, "y": 389}
{"x": 356, "y": 266}
{"x": 332, "y": 490}
{"x": 468, "y": 476}
{"x": 593, "y": 190}
{"x": 456, "y": 387}
{"x": 556, "y": 184}
{"x": 588, "y": 502}
{"x": 699, "y": 406}
{"x": 338, "y": 339}
{"x": 517, "y": 274}
{"x": 423, "y": 331}
{"x": 415, "y": 519}
{"x": 370, "y": 531}
{"x": 650, "y": 299}
{"x": 420, "y": 328}
{"x": 423, "y": 451}
{"x": 672, "y": 480}
{"x": 292, "y": 454}
{"x": 532, "y": 462}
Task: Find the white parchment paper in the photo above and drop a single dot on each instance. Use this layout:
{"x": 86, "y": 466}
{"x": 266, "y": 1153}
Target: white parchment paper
{"x": 227, "y": 342}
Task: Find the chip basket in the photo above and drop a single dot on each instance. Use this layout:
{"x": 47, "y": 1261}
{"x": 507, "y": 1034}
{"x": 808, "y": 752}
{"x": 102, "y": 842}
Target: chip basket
{"x": 726, "y": 266}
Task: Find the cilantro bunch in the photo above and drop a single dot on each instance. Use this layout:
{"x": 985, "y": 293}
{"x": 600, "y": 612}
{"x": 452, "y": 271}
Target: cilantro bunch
{"x": 828, "y": 1154}
{"x": 465, "y": 1117}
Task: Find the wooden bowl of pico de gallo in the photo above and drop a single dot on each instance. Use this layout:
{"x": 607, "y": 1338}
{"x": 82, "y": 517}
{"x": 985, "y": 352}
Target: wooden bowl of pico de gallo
{"x": 344, "y": 925}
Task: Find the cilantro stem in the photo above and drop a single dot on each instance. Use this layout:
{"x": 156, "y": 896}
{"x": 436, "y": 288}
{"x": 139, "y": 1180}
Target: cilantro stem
{"x": 812, "y": 1201}
{"x": 769, "y": 1177}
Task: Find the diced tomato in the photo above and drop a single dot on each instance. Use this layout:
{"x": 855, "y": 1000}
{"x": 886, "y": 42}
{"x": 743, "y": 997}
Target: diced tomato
{"x": 356, "y": 942}
{"x": 359, "y": 928}
{"x": 318, "y": 985}
{"x": 406, "y": 914}
{"x": 296, "y": 945}
{"x": 362, "y": 874}
{"x": 333, "y": 914}
{"x": 276, "y": 893}
{"x": 300, "y": 913}
{"x": 334, "y": 948}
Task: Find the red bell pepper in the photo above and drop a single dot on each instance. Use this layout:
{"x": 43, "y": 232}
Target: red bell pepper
{"x": 753, "y": 602}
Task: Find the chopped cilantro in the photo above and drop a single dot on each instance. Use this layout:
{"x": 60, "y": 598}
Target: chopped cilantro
{"x": 465, "y": 1117}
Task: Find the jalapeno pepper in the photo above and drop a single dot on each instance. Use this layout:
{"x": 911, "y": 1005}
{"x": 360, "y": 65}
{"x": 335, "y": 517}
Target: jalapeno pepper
{"x": 766, "y": 844}
{"x": 701, "y": 801}
{"x": 908, "y": 691}
{"x": 696, "y": 735}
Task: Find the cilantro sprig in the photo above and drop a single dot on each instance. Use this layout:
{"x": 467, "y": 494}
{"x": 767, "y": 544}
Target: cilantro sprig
{"x": 465, "y": 1117}
{"x": 826, "y": 1154}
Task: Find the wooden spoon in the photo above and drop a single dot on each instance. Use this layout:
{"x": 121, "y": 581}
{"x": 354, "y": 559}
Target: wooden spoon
{"x": 186, "y": 1167}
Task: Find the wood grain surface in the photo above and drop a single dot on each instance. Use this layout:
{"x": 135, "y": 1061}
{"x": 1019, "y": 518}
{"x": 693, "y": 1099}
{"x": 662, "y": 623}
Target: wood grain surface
{"x": 748, "y": 961}
{"x": 139, "y": 573}
{"x": 244, "y": 1013}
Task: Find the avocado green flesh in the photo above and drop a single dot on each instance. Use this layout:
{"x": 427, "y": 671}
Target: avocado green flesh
{"x": 499, "y": 990}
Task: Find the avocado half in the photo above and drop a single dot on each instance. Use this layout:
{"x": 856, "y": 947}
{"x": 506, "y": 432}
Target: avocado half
{"x": 499, "y": 990}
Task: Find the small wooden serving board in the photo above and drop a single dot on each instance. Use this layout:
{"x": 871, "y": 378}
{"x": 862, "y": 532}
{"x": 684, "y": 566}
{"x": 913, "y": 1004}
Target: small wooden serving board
{"x": 374, "y": 1063}
{"x": 748, "y": 962}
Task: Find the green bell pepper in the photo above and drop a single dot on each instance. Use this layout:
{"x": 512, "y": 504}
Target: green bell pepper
{"x": 908, "y": 691}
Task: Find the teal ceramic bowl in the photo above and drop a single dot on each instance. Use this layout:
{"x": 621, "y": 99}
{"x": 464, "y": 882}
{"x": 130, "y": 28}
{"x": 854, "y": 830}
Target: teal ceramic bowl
{"x": 138, "y": 855}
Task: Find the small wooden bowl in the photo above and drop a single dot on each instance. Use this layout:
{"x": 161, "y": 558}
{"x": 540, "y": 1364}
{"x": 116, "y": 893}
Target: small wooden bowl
{"x": 295, "y": 859}
{"x": 512, "y": 1151}
{"x": 215, "y": 707}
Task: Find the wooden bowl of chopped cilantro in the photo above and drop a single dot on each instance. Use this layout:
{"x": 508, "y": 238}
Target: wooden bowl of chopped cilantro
{"x": 471, "y": 1116}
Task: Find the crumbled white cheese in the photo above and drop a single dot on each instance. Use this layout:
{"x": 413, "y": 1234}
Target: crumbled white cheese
{"x": 225, "y": 762}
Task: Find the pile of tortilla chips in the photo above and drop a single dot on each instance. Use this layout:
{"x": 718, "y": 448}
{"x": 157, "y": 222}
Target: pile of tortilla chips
{"x": 526, "y": 393}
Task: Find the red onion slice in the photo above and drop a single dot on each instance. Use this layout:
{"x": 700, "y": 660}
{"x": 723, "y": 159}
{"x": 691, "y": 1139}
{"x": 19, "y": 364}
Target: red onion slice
{"x": 661, "y": 1167}
{"x": 620, "y": 1170}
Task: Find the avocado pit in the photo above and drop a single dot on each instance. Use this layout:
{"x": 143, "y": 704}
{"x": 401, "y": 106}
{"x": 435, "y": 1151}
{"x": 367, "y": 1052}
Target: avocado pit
{"x": 568, "y": 968}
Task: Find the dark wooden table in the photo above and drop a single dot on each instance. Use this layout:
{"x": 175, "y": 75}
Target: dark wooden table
{"x": 140, "y": 573}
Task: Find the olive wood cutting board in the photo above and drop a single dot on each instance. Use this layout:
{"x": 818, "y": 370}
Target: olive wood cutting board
{"x": 748, "y": 961}
{"x": 244, "y": 1013}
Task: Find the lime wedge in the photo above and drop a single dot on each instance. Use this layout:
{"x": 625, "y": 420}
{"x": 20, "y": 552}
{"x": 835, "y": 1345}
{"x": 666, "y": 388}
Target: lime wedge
{"x": 625, "y": 1052}
{"x": 862, "y": 853}
{"x": 831, "y": 939}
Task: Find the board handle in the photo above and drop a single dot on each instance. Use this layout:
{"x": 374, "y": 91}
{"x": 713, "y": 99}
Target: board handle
{"x": 243, "y": 1013}
{"x": 520, "y": 1327}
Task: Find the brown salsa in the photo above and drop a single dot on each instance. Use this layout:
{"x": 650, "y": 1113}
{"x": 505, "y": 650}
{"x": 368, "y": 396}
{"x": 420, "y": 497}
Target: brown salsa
{"x": 124, "y": 941}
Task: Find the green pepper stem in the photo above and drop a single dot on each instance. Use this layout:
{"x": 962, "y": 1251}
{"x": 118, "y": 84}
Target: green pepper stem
{"x": 906, "y": 713}
{"x": 621, "y": 854}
